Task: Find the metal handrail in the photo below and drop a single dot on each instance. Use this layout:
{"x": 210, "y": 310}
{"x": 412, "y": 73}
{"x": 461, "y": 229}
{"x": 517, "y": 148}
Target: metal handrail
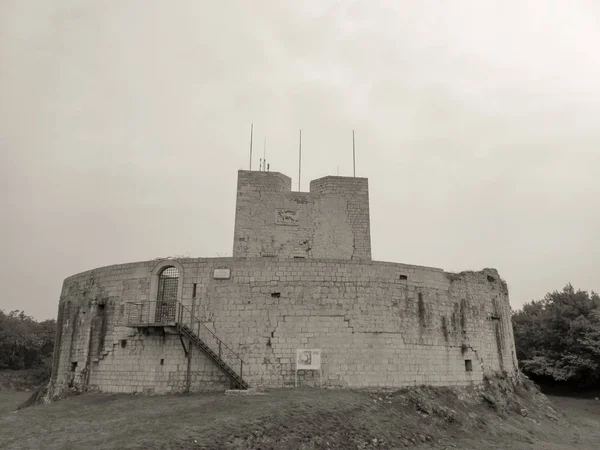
{"x": 160, "y": 313}
{"x": 145, "y": 313}
{"x": 197, "y": 321}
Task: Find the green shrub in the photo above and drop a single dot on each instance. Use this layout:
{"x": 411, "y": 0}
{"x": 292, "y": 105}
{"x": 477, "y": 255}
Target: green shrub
{"x": 558, "y": 338}
{"x": 25, "y": 343}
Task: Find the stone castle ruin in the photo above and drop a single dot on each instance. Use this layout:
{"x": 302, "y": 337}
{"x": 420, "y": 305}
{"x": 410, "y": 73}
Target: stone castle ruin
{"x": 301, "y": 277}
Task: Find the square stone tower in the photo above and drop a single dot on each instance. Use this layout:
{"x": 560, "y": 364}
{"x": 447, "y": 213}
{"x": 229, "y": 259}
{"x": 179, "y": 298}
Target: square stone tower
{"x": 331, "y": 221}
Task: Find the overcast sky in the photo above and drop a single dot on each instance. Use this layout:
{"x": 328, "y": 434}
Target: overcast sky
{"x": 123, "y": 125}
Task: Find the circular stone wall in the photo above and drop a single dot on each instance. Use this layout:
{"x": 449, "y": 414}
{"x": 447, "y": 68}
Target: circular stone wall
{"x": 376, "y": 324}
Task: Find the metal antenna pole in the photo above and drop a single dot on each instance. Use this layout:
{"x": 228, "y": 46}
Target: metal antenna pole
{"x": 353, "y": 154}
{"x": 251, "y": 136}
{"x": 265, "y": 151}
{"x": 300, "y": 162}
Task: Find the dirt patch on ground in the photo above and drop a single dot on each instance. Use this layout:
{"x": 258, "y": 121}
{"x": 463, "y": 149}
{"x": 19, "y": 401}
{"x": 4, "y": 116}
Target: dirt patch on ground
{"x": 501, "y": 415}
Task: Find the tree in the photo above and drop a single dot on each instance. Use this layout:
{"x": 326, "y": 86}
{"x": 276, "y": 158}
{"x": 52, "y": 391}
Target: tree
{"x": 24, "y": 342}
{"x": 558, "y": 337}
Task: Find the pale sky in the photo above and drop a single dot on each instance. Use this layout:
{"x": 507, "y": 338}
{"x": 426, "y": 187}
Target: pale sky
{"x": 123, "y": 124}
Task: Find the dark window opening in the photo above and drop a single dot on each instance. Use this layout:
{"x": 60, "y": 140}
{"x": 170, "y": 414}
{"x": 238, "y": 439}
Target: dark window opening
{"x": 166, "y": 301}
{"x": 491, "y": 279}
{"x": 272, "y": 334}
{"x": 194, "y": 290}
{"x": 299, "y": 257}
{"x": 162, "y": 362}
{"x": 276, "y": 294}
{"x": 420, "y": 297}
{"x": 123, "y": 343}
{"x": 404, "y": 277}
{"x": 468, "y": 365}
{"x": 101, "y": 306}
{"x": 73, "y": 366}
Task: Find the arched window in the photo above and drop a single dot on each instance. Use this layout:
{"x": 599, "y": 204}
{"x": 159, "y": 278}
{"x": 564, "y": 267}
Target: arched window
{"x": 166, "y": 299}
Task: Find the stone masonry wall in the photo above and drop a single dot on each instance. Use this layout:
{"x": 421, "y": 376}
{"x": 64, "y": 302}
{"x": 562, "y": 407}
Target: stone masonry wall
{"x": 352, "y": 195}
{"x": 332, "y": 220}
{"x": 378, "y": 324}
{"x": 154, "y": 363}
{"x": 95, "y": 349}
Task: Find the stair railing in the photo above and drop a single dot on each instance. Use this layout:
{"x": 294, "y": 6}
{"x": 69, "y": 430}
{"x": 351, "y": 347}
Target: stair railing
{"x": 151, "y": 313}
{"x": 186, "y": 318}
{"x": 175, "y": 313}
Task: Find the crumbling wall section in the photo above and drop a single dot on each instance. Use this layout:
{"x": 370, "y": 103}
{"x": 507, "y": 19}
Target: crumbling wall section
{"x": 482, "y": 306}
{"x": 92, "y": 327}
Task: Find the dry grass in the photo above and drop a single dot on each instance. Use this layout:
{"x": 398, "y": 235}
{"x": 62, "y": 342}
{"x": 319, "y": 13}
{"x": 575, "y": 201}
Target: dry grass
{"x": 9, "y": 401}
{"x": 306, "y": 419}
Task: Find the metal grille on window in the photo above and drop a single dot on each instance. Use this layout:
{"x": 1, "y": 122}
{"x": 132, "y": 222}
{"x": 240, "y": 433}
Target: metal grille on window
{"x": 166, "y": 304}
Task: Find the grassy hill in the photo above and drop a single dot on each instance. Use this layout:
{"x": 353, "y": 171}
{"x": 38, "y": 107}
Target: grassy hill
{"x": 499, "y": 416}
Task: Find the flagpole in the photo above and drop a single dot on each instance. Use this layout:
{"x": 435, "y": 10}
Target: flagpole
{"x": 300, "y": 162}
{"x": 251, "y": 137}
{"x": 353, "y": 154}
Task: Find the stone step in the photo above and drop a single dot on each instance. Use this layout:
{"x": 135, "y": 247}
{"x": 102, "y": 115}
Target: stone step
{"x": 249, "y": 391}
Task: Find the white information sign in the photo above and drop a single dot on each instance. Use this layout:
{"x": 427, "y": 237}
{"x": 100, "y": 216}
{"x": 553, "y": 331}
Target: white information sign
{"x": 222, "y": 274}
{"x": 308, "y": 359}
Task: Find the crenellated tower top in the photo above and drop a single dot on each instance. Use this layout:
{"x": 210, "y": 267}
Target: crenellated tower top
{"x": 331, "y": 221}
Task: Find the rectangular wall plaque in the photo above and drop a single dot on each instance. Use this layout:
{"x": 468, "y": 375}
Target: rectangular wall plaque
{"x": 222, "y": 274}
